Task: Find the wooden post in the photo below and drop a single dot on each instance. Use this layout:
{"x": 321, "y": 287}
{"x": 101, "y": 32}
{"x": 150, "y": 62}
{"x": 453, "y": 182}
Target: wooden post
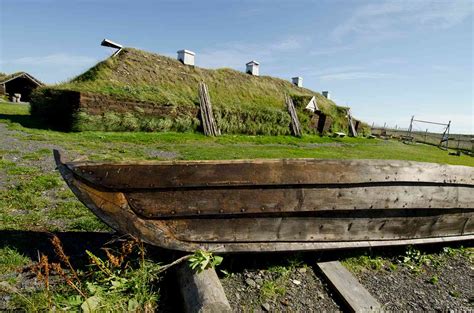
{"x": 208, "y": 123}
{"x": 202, "y": 292}
{"x": 295, "y": 123}
{"x": 352, "y": 129}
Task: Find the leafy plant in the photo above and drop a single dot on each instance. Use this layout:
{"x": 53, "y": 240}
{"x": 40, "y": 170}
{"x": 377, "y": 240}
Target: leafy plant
{"x": 414, "y": 259}
{"x": 202, "y": 260}
{"x": 434, "y": 279}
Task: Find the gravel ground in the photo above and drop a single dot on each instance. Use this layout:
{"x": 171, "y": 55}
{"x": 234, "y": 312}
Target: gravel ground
{"x": 408, "y": 291}
{"x": 304, "y": 292}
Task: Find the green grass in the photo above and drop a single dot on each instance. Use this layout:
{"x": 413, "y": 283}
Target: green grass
{"x": 416, "y": 261}
{"x": 25, "y": 206}
{"x": 163, "y": 80}
{"x": 242, "y": 103}
{"x": 192, "y": 146}
{"x": 38, "y": 199}
{"x": 11, "y": 260}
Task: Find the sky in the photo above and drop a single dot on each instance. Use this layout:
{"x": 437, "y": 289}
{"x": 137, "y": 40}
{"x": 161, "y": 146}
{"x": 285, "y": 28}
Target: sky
{"x": 386, "y": 59}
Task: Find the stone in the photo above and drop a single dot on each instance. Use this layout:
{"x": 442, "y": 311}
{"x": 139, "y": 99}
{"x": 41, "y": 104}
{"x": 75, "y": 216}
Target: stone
{"x": 250, "y": 282}
{"x": 302, "y": 270}
{"x": 296, "y": 282}
{"x": 266, "y": 307}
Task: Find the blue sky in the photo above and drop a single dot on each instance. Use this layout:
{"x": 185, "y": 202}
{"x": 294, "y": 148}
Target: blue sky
{"x": 387, "y": 60}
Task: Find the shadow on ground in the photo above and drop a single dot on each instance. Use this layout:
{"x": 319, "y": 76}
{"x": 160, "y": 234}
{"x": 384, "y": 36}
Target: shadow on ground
{"x": 26, "y": 121}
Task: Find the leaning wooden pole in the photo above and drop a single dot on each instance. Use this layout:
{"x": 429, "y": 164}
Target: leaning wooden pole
{"x": 295, "y": 123}
{"x": 352, "y": 129}
{"x": 207, "y": 117}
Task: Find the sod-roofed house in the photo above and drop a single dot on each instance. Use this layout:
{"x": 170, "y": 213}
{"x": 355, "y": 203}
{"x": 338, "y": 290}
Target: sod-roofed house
{"x": 136, "y": 90}
{"x": 18, "y": 86}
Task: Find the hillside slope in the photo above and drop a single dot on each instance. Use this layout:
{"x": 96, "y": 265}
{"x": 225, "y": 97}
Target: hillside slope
{"x": 238, "y": 98}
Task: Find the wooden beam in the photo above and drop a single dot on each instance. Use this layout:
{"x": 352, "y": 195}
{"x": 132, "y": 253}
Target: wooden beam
{"x": 202, "y": 292}
{"x": 295, "y": 123}
{"x": 207, "y": 117}
{"x": 357, "y": 298}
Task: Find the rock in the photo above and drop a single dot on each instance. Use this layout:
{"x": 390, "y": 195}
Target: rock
{"x": 296, "y": 282}
{"x": 266, "y": 307}
{"x": 237, "y": 296}
{"x": 250, "y": 282}
{"x": 302, "y": 270}
{"x": 259, "y": 281}
{"x": 285, "y": 302}
{"x": 320, "y": 296}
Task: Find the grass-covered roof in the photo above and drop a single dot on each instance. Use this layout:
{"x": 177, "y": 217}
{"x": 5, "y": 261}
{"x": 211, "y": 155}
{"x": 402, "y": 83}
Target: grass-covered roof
{"x": 139, "y": 75}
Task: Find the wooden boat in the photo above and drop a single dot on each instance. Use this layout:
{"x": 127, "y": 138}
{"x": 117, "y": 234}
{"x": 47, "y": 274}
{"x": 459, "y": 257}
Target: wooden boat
{"x": 278, "y": 205}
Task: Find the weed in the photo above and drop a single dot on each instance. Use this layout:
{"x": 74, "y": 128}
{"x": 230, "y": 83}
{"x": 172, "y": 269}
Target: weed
{"x": 454, "y": 293}
{"x": 271, "y": 290}
{"x": 434, "y": 280}
{"x": 414, "y": 260}
{"x": 10, "y": 260}
{"x": 202, "y": 260}
{"x": 365, "y": 262}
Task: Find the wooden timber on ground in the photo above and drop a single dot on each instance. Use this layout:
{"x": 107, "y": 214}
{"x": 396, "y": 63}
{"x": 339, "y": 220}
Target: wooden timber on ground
{"x": 278, "y": 205}
{"x": 207, "y": 117}
{"x": 202, "y": 292}
{"x": 295, "y": 122}
{"x": 357, "y": 298}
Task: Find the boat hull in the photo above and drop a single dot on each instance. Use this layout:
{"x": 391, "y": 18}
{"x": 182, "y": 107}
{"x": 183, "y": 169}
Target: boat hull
{"x": 278, "y": 205}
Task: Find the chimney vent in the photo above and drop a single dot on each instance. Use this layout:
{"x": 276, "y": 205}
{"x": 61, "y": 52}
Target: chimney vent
{"x": 252, "y": 68}
{"x": 186, "y": 57}
{"x": 298, "y": 81}
{"x": 326, "y": 95}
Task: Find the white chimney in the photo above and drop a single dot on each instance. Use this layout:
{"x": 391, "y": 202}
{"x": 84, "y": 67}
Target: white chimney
{"x": 298, "y": 81}
{"x": 252, "y": 68}
{"x": 326, "y": 95}
{"x": 186, "y": 57}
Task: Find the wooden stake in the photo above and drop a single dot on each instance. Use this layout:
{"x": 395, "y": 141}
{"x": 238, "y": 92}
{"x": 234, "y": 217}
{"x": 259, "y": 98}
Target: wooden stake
{"x": 295, "y": 123}
{"x": 351, "y": 124}
{"x": 207, "y": 117}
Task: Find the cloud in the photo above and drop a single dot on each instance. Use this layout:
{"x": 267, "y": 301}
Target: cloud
{"x": 330, "y": 50}
{"x": 354, "y": 75}
{"x": 57, "y": 59}
{"x": 236, "y": 54}
{"x": 387, "y": 18}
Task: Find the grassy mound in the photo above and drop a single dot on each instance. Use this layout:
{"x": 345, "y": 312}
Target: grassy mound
{"x": 242, "y": 103}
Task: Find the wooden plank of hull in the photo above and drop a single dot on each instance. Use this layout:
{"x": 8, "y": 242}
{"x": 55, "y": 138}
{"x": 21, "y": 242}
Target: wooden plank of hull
{"x": 113, "y": 208}
{"x": 153, "y": 175}
{"x": 300, "y": 229}
{"x": 158, "y": 232}
{"x": 235, "y": 201}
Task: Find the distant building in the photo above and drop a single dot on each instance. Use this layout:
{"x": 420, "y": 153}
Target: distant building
{"x": 298, "y": 81}
{"x": 18, "y": 86}
{"x": 186, "y": 57}
{"x": 252, "y": 68}
{"x": 326, "y": 95}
